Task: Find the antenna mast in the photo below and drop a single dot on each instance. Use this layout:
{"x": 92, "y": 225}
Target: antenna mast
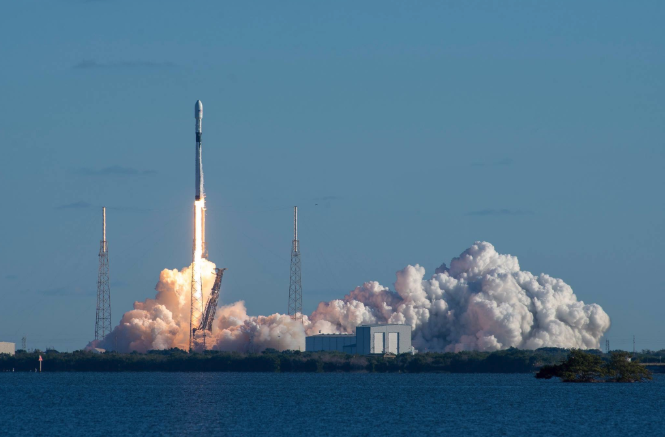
{"x": 295, "y": 285}
{"x": 103, "y": 317}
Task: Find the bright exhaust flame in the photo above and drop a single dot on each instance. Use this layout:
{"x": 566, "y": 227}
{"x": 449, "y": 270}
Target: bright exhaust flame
{"x": 197, "y": 296}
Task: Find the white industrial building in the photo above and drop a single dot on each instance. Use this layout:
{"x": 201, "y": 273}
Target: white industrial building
{"x": 7, "y": 348}
{"x": 368, "y": 339}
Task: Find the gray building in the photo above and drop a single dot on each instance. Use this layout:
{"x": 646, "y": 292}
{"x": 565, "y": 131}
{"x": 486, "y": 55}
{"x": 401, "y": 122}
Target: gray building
{"x": 369, "y": 339}
{"x": 329, "y": 342}
{"x": 7, "y": 348}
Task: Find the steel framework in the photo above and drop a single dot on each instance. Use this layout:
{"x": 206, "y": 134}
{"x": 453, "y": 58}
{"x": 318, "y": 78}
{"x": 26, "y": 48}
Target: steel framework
{"x": 103, "y": 317}
{"x": 211, "y": 306}
{"x": 295, "y": 284}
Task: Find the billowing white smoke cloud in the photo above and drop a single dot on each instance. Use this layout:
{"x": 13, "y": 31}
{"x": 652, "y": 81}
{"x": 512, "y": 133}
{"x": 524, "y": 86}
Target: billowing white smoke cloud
{"x": 163, "y": 322}
{"x": 482, "y": 302}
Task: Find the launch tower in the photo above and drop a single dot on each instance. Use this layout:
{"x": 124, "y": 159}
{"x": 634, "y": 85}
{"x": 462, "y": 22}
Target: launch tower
{"x": 211, "y": 306}
{"x": 103, "y": 318}
{"x": 295, "y": 286}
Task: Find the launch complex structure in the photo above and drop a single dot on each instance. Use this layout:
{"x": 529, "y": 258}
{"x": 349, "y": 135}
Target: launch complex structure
{"x": 201, "y": 316}
{"x": 295, "y": 282}
{"x": 103, "y": 314}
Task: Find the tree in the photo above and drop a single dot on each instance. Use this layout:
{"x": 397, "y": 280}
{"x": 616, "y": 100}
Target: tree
{"x": 622, "y": 369}
{"x": 582, "y": 367}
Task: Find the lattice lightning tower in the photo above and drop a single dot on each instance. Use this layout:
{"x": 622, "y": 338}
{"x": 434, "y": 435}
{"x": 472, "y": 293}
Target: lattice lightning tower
{"x": 295, "y": 285}
{"x": 103, "y": 319}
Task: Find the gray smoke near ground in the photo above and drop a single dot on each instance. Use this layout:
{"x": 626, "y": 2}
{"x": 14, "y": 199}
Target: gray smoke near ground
{"x": 483, "y": 301}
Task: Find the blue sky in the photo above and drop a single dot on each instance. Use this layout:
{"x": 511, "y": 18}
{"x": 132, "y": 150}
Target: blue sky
{"x": 416, "y": 128}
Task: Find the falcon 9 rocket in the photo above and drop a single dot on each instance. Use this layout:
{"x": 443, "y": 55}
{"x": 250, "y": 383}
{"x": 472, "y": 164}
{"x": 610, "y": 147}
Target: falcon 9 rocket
{"x": 199, "y": 249}
{"x": 198, "y": 114}
{"x": 199, "y": 193}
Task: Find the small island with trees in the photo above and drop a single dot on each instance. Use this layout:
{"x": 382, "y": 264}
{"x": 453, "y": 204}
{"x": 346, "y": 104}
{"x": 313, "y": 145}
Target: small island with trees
{"x": 582, "y": 366}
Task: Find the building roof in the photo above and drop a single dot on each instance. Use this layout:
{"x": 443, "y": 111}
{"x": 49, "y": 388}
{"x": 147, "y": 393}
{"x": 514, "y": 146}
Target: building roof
{"x": 332, "y": 335}
{"x": 376, "y": 325}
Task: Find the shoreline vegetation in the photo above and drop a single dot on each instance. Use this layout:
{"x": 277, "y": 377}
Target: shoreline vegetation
{"x": 581, "y": 366}
{"x": 549, "y": 362}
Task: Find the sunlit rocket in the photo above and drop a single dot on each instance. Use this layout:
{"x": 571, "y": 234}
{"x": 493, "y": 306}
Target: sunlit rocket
{"x": 199, "y": 196}
{"x": 198, "y": 114}
{"x": 199, "y": 250}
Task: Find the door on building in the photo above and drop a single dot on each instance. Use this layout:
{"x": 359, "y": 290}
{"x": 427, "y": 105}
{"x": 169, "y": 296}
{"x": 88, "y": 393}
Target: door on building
{"x": 377, "y": 343}
{"x": 393, "y": 341}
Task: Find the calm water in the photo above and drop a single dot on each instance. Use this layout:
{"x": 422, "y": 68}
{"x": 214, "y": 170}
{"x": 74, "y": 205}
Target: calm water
{"x": 108, "y": 404}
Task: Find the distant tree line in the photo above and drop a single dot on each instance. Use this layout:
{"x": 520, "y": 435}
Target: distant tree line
{"x": 176, "y": 360}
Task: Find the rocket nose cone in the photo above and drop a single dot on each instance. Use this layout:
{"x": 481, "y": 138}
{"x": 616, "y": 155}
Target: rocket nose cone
{"x": 198, "y": 109}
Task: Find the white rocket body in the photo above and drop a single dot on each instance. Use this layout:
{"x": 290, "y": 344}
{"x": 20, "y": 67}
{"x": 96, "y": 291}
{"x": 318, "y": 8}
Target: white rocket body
{"x": 199, "y": 193}
{"x": 198, "y": 114}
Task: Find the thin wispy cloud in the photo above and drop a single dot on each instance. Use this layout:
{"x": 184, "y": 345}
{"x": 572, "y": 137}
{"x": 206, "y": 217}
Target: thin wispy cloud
{"x": 82, "y": 204}
{"x": 503, "y": 162}
{"x": 128, "y": 209}
{"x": 325, "y": 201}
{"x": 326, "y": 198}
{"x": 63, "y": 291}
{"x": 499, "y": 212}
{"x": 75, "y": 205}
{"x": 89, "y": 64}
{"x": 114, "y": 170}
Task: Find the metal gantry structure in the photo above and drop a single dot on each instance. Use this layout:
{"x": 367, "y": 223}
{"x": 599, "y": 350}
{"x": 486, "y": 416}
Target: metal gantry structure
{"x": 103, "y": 318}
{"x": 295, "y": 282}
{"x": 211, "y": 306}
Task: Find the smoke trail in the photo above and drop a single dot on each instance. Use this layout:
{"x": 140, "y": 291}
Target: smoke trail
{"x": 483, "y": 301}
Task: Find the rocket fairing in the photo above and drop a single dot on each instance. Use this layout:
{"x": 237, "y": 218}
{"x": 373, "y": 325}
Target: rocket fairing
{"x": 198, "y": 114}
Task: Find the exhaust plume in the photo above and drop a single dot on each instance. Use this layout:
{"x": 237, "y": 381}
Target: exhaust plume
{"x": 483, "y": 301}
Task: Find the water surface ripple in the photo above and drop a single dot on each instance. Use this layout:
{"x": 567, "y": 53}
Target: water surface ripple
{"x": 175, "y": 404}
